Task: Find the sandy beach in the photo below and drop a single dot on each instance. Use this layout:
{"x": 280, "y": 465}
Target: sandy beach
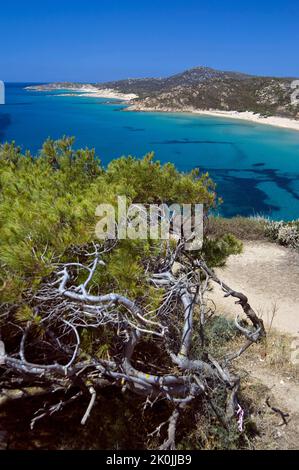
{"x": 86, "y": 90}
{"x": 245, "y": 116}
{"x": 250, "y": 116}
{"x": 94, "y": 92}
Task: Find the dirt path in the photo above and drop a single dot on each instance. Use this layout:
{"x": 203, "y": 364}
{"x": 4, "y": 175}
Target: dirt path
{"x": 269, "y": 275}
{"x": 283, "y": 393}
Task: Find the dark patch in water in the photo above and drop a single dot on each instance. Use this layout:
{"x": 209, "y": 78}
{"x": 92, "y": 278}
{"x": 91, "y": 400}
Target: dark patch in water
{"x": 187, "y": 141}
{"x": 198, "y": 124}
{"x": 242, "y": 195}
{"x": 266, "y": 175}
{"x": 258, "y": 164}
{"x": 283, "y": 181}
{"x": 238, "y": 151}
{"x": 5, "y": 122}
{"x": 134, "y": 129}
{"x": 20, "y": 103}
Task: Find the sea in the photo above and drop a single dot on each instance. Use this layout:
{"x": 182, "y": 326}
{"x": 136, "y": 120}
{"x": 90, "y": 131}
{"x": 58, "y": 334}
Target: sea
{"x": 255, "y": 166}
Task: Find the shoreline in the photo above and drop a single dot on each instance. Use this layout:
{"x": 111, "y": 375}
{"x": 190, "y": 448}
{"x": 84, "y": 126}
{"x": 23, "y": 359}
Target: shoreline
{"x": 275, "y": 121}
{"x": 88, "y": 91}
{"x": 91, "y": 91}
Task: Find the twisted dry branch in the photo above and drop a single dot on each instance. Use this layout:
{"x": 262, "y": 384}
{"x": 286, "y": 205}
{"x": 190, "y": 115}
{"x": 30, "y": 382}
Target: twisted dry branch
{"x": 67, "y": 310}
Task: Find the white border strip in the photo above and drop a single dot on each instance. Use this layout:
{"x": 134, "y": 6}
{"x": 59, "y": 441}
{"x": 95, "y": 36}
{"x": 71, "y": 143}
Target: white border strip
{"x": 2, "y": 92}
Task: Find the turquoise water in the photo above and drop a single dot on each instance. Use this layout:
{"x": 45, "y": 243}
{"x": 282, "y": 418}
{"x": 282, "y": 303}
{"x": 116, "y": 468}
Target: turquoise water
{"x": 256, "y": 167}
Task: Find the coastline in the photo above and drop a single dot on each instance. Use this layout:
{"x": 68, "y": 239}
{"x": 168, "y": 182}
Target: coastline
{"x": 94, "y": 92}
{"x": 89, "y": 91}
{"x": 106, "y": 93}
{"x": 276, "y": 121}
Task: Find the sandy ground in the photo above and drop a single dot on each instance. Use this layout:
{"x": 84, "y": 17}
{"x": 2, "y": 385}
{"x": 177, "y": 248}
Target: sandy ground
{"x": 87, "y": 90}
{"x": 245, "y": 115}
{"x": 269, "y": 275}
{"x": 94, "y": 92}
{"x": 283, "y": 392}
{"x": 249, "y": 116}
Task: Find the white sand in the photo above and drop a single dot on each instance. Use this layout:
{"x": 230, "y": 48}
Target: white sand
{"x": 250, "y": 116}
{"x": 88, "y": 90}
{"x": 94, "y": 92}
{"x": 269, "y": 275}
{"x": 246, "y": 115}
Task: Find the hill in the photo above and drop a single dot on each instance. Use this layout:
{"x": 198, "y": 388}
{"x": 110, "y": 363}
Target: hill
{"x": 201, "y": 88}
{"x": 207, "y": 88}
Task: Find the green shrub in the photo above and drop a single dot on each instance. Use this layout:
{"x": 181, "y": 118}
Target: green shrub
{"x": 48, "y": 202}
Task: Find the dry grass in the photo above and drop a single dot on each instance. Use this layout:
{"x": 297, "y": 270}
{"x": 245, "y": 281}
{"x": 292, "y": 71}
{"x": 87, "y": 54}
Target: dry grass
{"x": 272, "y": 353}
{"x": 243, "y": 228}
{"x": 268, "y": 375}
{"x": 276, "y": 352}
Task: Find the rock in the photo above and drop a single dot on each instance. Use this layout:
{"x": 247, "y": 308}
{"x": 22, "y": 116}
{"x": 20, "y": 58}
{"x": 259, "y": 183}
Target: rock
{"x": 295, "y": 352}
{"x": 176, "y": 268}
{"x": 2, "y": 352}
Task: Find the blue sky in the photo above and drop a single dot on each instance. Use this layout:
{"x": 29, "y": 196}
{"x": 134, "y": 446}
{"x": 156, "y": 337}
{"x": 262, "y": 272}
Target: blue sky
{"x": 111, "y": 39}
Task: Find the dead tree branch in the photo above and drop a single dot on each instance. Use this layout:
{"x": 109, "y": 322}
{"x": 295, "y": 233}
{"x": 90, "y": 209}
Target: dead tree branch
{"x": 68, "y": 309}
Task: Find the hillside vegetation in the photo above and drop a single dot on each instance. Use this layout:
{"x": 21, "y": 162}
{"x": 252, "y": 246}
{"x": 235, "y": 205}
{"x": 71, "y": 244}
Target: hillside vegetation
{"x": 206, "y": 88}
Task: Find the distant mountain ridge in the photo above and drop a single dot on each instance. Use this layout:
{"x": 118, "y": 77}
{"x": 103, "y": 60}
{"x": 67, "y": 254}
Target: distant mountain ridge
{"x": 205, "y": 88}
{"x": 189, "y": 77}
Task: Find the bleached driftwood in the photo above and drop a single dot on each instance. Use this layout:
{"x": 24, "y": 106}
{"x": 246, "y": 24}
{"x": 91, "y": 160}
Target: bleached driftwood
{"x": 66, "y": 309}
